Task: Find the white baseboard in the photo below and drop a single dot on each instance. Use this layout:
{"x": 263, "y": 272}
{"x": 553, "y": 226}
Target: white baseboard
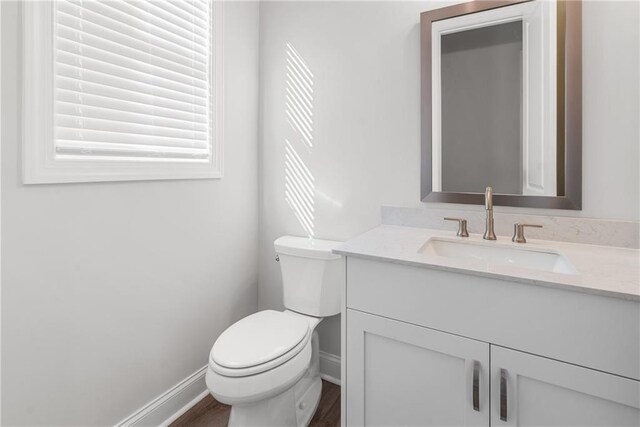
{"x": 330, "y": 367}
{"x": 170, "y": 405}
{"x": 167, "y": 407}
{"x": 185, "y": 408}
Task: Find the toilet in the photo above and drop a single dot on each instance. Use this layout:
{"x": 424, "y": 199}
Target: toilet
{"x": 266, "y": 366}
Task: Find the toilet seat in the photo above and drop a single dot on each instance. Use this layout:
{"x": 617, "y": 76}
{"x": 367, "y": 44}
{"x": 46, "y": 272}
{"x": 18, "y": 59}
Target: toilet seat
{"x": 245, "y": 389}
{"x": 264, "y": 380}
{"x": 260, "y": 342}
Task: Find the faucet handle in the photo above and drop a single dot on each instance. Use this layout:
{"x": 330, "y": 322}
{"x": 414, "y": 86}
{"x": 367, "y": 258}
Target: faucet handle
{"x": 462, "y": 226}
{"x": 518, "y": 232}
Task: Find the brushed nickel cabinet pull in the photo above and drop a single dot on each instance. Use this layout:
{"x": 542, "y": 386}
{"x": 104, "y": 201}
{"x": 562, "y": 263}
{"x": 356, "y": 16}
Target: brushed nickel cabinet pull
{"x": 476, "y": 386}
{"x": 503, "y": 395}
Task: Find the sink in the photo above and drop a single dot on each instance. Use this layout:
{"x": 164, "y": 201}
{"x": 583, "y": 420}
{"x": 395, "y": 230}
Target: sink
{"x": 496, "y": 253}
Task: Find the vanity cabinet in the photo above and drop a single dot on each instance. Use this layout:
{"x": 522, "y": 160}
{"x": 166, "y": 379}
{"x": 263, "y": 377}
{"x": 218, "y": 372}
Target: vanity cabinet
{"x": 403, "y": 374}
{"x": 430, "y": 347}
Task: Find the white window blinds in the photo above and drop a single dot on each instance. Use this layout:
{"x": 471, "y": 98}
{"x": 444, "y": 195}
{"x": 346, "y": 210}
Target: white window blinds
{"x": 132, "y": 79}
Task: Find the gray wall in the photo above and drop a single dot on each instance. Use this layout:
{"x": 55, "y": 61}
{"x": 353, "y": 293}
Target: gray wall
{"x": 365, "y": 57}
{"x": 114, "y": 292}
{"x": 481, "y": 109}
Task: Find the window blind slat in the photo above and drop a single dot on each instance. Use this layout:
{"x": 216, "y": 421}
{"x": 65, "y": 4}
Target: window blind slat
{"x": 118, "y": 150}
{"x": 85, "y": 31}
{"x": 104, "y": 79}
{"x": 188, "y": 6}
{"x": 132, "y": 80}
{"x": 126, "y": 106}
{"x": 185, "y": 16}
{"x": 176, "y": 21}
{"x": 127, "y": 127}
{"x": 88, "y": 18}
{"x": 79, "y": 134}
{"x": 113, "y": 10}
{"x": 84, "y": 90}
{"x": 147, "y": 11}
{"x": 144, "y": 83}
{"x": 73, "y": 109}
{"x": 138, "y": 19}
{"x": 166, "y": 77}
{"x": 191, "y": 6}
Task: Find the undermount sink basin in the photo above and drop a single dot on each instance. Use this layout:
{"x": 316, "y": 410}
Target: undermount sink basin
{"x": 500, "y": 253}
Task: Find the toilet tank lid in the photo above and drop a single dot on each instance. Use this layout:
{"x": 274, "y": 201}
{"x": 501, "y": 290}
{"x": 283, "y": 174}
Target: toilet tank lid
{"x": 306, "y": 247}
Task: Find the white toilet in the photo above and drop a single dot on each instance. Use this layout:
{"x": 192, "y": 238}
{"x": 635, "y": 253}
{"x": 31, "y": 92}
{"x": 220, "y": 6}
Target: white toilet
{"x": 267, "y": 365}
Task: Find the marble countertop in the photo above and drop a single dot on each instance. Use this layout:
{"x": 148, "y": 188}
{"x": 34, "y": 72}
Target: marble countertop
{"x": 601, "y": 270}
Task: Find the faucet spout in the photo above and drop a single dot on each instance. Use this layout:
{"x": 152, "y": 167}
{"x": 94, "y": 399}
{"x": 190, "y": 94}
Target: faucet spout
{"x": 488, "y": 199}
{"x": 489, "y": 233}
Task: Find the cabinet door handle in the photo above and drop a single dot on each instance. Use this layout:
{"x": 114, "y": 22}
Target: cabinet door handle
{"x": 476, "y": 385}
{"x": 503, "y": 394}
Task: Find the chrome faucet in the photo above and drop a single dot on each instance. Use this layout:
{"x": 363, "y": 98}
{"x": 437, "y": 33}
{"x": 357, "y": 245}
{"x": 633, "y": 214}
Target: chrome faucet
{"x": 489, "y": 233}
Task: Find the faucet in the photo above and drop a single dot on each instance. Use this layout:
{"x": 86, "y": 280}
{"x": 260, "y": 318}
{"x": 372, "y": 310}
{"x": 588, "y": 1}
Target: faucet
{"x": 489, "y": 233}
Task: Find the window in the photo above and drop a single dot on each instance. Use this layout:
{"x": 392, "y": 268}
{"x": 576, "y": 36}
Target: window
{"x": 122, "y": 90}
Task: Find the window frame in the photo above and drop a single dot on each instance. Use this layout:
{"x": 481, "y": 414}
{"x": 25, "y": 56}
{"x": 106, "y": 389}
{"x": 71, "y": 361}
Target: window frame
{"x": 40, "y": 165}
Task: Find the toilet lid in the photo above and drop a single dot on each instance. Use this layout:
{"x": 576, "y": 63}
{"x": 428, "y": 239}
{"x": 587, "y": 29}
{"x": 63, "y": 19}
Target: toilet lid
{"x": 259, "y": 338}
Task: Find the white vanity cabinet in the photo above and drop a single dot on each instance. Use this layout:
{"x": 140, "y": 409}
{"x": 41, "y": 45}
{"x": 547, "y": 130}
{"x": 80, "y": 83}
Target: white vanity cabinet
{"x": 417, "y": 340}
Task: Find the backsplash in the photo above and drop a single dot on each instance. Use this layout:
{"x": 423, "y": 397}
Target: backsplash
{"x": 605, "y": 232}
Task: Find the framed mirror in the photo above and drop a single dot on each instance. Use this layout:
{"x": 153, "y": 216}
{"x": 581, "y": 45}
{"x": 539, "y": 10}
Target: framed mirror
{"x": 502, "y": 103}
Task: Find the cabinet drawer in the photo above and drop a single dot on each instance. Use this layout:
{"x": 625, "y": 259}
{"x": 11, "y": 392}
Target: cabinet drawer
{"x": 589, "y": 330}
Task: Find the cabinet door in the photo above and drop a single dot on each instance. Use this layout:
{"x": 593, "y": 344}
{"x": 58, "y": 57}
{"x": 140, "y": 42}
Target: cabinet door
{"x": 528, "y": 390}
{"x": 399, "y": 374}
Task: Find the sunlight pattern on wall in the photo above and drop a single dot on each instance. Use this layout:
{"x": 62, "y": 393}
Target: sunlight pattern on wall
{"x": 299, "y": 105}
{"x": 299, "y": 188}
{"x": 299, "y": 181}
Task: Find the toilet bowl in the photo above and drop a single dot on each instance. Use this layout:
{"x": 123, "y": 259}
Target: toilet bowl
{"x": 266, "y": 366}
{"x": 278, "y": 379}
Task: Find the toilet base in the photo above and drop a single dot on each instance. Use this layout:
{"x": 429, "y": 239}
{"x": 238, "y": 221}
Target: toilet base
{"x": 292, "y": 408}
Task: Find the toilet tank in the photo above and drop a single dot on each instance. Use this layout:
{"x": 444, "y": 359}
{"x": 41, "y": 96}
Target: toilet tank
{"x": 312, "y": 277}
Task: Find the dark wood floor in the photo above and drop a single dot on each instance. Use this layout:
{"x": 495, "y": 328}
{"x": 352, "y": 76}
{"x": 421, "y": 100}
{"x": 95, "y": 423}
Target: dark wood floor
{"x": 210, "y": 413}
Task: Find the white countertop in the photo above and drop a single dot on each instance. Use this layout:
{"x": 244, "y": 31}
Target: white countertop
{"x": 602, "y": 270}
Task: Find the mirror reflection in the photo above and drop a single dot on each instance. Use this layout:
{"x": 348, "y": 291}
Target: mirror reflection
{"x": 495, "y": 103}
